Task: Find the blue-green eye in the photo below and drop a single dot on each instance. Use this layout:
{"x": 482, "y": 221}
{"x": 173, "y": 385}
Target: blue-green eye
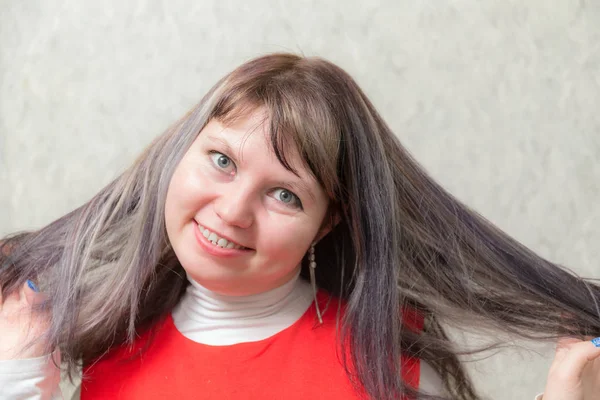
{"x": 288, "y": 198}
{"x": 221, "y": 160}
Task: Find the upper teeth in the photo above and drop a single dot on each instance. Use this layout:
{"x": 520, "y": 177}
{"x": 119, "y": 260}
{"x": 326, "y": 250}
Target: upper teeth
{"x": 217, "y": 240}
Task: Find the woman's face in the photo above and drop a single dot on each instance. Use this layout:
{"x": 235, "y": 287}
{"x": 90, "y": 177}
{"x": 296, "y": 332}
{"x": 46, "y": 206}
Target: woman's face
{"x": 238, "y": 221}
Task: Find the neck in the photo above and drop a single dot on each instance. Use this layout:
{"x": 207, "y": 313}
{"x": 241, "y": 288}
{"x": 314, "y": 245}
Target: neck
{"x": 218, "y": 320}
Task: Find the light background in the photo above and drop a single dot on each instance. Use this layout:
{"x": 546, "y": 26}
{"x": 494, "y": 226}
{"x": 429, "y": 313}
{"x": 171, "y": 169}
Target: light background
{"x": 497, "y": 99}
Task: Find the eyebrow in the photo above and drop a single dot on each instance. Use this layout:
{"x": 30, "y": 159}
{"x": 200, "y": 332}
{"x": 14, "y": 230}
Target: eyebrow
{"x": 223, "y": 142}
{"x": 297, "y": 186}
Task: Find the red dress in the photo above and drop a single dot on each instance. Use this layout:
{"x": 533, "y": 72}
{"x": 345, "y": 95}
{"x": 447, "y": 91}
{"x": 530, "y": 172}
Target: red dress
{"x": 300, "y": 362}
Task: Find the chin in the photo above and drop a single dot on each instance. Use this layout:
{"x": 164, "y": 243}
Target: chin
{"x": 209, "y": 275}
{"x": 221, "y": 285}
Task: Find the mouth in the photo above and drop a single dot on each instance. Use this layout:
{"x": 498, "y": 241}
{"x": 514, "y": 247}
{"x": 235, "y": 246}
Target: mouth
{"x": 219, "y": 241}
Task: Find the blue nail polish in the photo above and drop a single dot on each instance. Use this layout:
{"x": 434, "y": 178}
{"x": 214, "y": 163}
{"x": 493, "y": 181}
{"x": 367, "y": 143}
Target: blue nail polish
{"x": 32, "y": 286}
{"x": 596, "y": 341}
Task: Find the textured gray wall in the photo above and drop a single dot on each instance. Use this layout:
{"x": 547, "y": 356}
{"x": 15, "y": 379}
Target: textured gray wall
{"x": 497, "y": 99}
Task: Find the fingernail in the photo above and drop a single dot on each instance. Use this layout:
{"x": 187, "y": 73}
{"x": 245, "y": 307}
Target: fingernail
{"x": 596, "y": 341}
{"x": 32, "y": 286}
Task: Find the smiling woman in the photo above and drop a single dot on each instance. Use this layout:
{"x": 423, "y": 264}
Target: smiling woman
{"x": 277, "y": 242}
{"x": 231, "y": 216}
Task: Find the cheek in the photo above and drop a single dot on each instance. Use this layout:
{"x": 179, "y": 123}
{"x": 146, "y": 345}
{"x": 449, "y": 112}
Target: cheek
{"x": 171, "y": 205}
{"x": 179, "y": 205}
{"x": 186, "y": 191}
{"x": 286, "y": 243}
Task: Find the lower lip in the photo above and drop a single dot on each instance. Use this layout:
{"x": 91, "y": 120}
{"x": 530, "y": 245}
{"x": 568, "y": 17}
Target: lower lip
{"x": 215, "y": 250}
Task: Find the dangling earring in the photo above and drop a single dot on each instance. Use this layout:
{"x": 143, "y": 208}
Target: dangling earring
{"x": 312, "y": 265}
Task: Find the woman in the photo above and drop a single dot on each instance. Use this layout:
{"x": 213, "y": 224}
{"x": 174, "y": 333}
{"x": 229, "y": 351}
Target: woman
{"x": 200, "y": 253}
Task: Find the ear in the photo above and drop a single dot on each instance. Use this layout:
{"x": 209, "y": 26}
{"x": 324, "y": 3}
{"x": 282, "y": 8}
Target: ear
{"x": 329, "y": 222}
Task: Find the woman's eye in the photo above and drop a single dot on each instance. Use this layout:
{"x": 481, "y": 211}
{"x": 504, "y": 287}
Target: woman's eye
{"x": 221, "y": 160}
{"x": 287, "y": 198}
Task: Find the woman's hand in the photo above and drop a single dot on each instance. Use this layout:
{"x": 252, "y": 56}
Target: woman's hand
{"x": 575, "y": 371}
{"x": 19, "y": 325}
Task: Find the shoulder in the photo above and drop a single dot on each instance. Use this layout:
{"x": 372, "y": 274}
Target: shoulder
{"x": 332, "y": 308}
{"x": 309, "y": 329}
{"x": 145, "y": 338}
{"x": 415, "y": 370}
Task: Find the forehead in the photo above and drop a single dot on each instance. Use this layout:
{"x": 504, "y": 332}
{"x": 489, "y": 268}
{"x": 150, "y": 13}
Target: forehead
{"x": 251, "y": 135}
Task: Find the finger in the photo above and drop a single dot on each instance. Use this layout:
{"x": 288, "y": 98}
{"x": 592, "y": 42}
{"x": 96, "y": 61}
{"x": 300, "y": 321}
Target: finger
{"x": 22, "y": 296}
{"x": 577, "y": 357}
{"x": 566, "y": 342}
{"x": 563, "y": 345}
{"x": 595, "y": 341}
{"x": 31, "y": 293}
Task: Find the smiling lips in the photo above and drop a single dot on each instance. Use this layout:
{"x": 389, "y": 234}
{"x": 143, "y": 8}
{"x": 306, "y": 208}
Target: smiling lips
{"x": 219, "y": 241}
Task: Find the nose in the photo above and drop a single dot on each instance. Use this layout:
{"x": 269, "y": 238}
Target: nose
{"x": 234, "y": 206}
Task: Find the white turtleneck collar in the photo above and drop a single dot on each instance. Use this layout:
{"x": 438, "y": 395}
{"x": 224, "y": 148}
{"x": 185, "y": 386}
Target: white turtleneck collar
{"x": 218, "y": 320}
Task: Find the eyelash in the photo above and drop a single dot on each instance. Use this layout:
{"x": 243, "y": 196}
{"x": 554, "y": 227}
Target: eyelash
{"x": 216, "y": 153}
{"x": 297, "y": 204}
{"x": 296, "y": 201}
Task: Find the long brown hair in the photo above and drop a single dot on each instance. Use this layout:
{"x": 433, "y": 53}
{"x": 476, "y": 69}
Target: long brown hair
{"x": 402, "y": 240}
